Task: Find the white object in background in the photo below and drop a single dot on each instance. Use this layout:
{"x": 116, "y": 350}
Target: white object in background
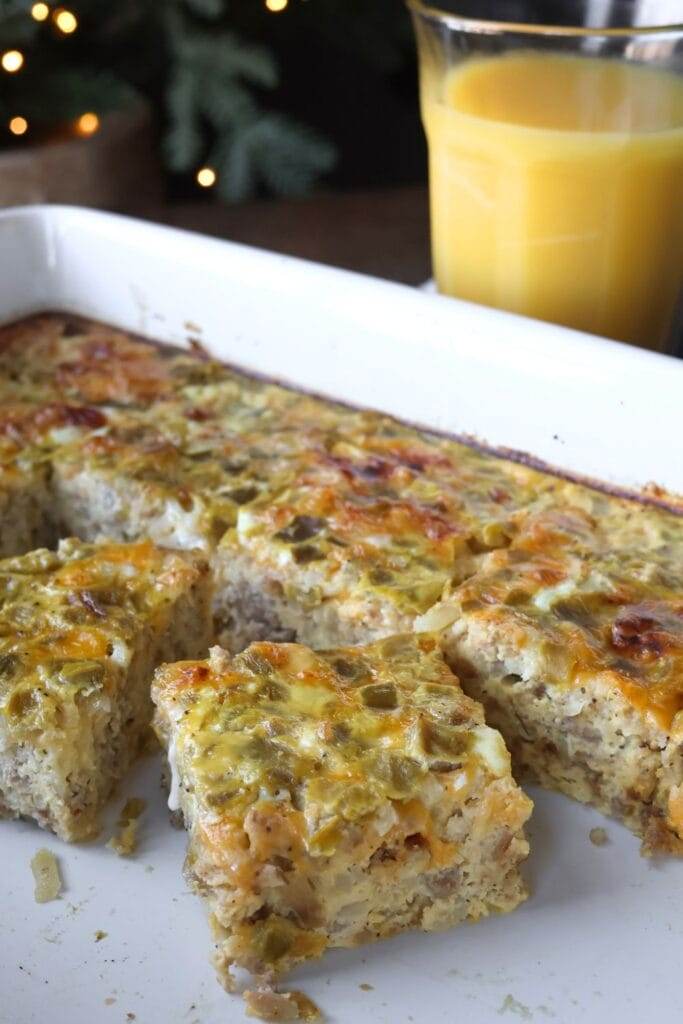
{"x": 601, "y": 936}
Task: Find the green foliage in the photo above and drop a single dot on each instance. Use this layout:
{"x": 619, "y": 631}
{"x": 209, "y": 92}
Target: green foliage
{"x": 271, "y": 149}
{"x": 210, "y": 88}
{"x": 218, "y": 86}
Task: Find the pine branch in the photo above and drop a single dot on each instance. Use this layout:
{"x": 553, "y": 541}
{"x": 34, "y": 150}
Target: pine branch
{"x": 289, "y": 156}
{"x": 184, "y": 140}
{"x": 223, "y": 106}
{"x": 273, "y": 150}
{"x": 207, "y": 90}
{"x": 222, "y": 56}
{"x": 210, "y": 90}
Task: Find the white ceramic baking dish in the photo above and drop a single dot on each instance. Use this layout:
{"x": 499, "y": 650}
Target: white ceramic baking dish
{"x": 601, "y": 936}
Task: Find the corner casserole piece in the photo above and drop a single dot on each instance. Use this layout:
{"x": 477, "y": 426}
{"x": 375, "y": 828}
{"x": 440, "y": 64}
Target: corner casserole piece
{"x": 337, "y": 797}
{"x": 81, "y": 630}
{"x": 575, "y": 649}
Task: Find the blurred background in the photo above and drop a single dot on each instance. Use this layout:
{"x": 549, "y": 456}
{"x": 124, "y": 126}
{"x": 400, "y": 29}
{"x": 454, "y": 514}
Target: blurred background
{"x": 291, "y": 124}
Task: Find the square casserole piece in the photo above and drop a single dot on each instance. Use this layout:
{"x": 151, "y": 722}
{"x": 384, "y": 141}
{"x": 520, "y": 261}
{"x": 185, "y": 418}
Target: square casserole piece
{"x": 81, "y": 631}
{"x": 575, "y": 649}
{"x": 338, "y": 797}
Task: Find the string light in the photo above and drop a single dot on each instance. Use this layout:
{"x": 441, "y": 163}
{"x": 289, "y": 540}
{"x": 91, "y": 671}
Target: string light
{"x": 65, "y": 21}
{"x": 276, "y": 5}
{"x": 206, "y": 177}
{"x": 87, "y": 124}
{"x": 12, "y": 60}
{"x": 18, "y": 126}
{"x": 40, "y": 12}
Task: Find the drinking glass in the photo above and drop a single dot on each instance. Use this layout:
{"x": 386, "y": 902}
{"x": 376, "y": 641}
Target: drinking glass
{"x": 555, "y": 137}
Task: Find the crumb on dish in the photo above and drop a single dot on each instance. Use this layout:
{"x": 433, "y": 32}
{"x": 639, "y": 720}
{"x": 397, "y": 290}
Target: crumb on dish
{"x": 125, "y": 841}
{"x": 47, "y": 877}
{"x": 267, "y": 1005}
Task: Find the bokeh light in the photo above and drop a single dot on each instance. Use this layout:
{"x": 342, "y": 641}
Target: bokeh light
{"x": 66, "y": 21}
{"x": 12, "y": 60}
{"x": 87, "y": 124}
{"x": 18, "y": 126}
{"x": 40, "y": 12}
{"x": 206, "y": 177}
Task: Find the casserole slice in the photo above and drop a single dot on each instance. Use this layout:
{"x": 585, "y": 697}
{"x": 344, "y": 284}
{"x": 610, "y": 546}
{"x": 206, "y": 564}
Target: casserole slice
{"x": 367, "y": 534}
{"x": 574, "y": 645}
{"x": 81, "y": 630}
{"x": 338, "y": 797}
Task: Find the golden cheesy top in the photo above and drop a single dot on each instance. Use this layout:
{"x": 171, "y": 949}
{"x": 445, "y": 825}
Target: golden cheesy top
{"x": 59, "y": 359}
{"x": 353, "y": 506}
{"x": 68, "y": 619}
{"x": 332, "y": 734}
{"x": 582, "y": 608}
{"x": 385, "y": 510}
{"x": 411, "y": 517}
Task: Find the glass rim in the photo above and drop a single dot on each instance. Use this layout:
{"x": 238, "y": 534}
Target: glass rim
{"x": 465, "y": 23}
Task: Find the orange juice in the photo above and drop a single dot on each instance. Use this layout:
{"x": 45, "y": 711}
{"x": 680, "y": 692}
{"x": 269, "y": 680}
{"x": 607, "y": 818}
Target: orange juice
{"x": 556, "y": 188}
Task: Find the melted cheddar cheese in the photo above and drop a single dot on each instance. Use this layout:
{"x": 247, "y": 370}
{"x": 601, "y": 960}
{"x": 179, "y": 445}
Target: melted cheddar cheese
{"x": 69, "y": 620}
{"x": 323, "y": 738}
{"x": 589, "y": 611}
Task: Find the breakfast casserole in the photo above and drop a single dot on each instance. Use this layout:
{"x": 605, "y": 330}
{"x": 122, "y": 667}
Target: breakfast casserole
{"x": 81, "y": 630}
{"x": 559, "y": 605}
{"x": 336, "y": 797}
